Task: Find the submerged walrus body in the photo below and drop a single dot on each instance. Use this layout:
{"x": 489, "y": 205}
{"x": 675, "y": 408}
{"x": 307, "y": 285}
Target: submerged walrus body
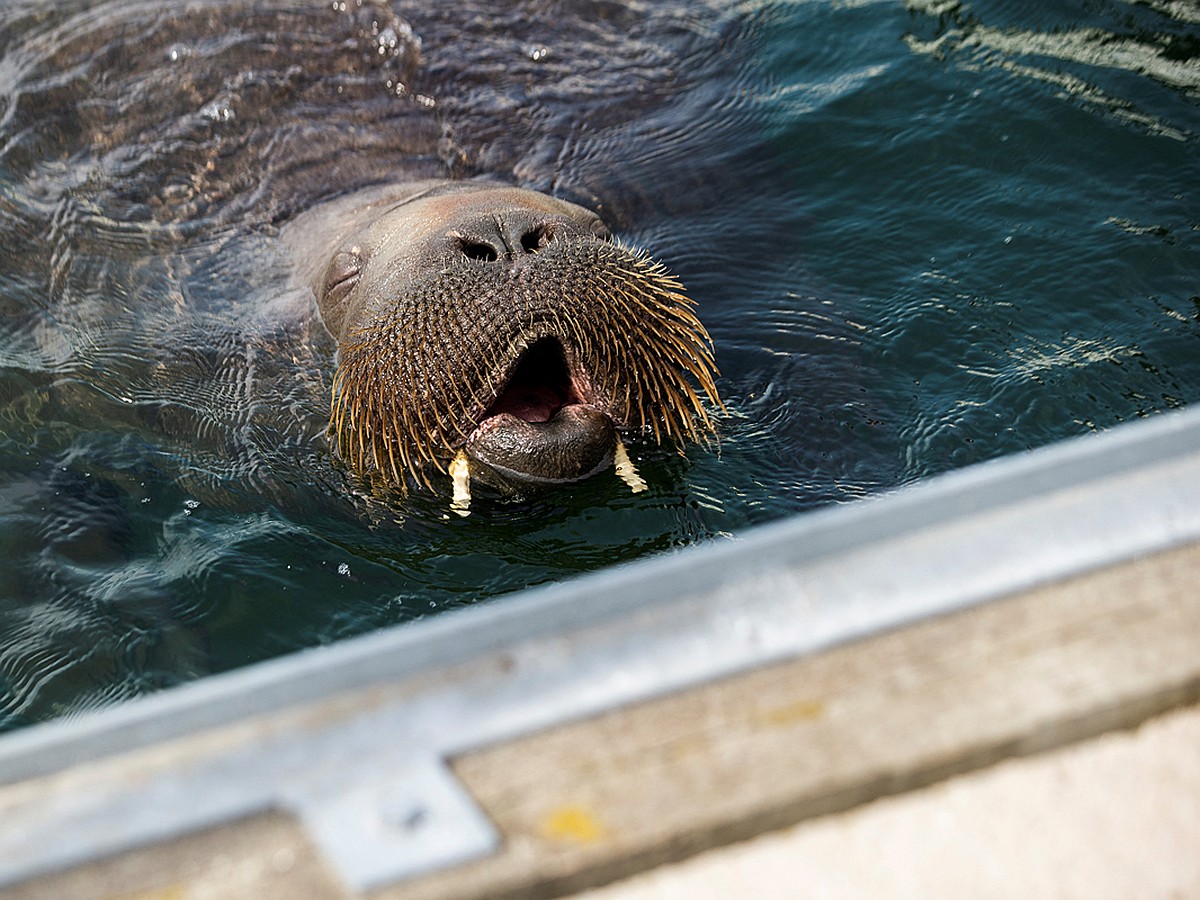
{"x": 205, "y": 198}
{"x": 499, "y": 328}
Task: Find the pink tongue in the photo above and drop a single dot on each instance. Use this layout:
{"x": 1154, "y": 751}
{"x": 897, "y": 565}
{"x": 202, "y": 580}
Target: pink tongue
{"x": 532, "y": 403}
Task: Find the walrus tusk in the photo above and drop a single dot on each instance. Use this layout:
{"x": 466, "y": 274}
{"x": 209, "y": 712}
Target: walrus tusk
{"x": 626, "y": 471}
{"x": 460, "y": 474}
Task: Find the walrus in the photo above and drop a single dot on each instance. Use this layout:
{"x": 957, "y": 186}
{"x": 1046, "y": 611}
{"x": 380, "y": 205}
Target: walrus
{"x": 496, "y": 333}
{"x": 283, "y": 234}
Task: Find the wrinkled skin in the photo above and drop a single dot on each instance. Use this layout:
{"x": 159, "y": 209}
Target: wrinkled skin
{"x": 499, "y": 323}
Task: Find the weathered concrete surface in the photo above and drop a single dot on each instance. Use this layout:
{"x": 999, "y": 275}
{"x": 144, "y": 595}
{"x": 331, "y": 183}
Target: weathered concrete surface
{"x": 1114, "y": 817}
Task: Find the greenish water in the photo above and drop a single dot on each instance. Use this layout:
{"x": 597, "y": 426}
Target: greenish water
{"x": 921, "y": 234}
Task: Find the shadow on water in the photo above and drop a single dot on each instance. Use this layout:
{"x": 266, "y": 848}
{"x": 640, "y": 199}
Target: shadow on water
{"x": 921, "y": 234}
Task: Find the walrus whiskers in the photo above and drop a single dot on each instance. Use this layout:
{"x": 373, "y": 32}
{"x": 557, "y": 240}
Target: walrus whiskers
{"x": 491, "y": 332}
{"x": 630, "y": 327}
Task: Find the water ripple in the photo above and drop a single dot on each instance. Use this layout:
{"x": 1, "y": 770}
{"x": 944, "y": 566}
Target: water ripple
{"x": 922, "y": 235}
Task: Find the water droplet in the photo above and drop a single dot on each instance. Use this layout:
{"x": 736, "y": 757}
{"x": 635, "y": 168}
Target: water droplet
{"x": 218, "y": 111}
{"x": 388, "y": 40}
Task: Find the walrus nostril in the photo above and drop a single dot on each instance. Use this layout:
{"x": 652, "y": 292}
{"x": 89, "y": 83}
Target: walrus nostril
{"x": 536, "y": 238}
{"x": 502, "y": 238}
{"x": 477, "y": 250}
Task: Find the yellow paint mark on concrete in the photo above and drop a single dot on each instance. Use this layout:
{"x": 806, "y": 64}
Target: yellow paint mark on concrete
{"x": 170, "y": 892}
{"x": 573, "y": 823}
{"x": 802, "y": 711}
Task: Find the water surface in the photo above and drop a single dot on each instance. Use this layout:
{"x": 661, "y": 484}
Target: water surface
{"x": 922, "y": 235}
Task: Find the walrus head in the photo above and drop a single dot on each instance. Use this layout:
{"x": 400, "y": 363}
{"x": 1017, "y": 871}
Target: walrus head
{"x": 503, "y": 329}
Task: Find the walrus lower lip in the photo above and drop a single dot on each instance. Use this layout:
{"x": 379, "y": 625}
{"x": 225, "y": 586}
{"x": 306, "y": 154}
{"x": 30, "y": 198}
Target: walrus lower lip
{"x": 539, "y": 428}
{"x": 575, "y": 442}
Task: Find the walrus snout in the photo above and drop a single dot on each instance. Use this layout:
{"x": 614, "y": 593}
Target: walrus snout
{"x": 482, "y": 326}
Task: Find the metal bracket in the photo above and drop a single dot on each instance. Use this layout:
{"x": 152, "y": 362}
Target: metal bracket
{"x": 379, "y": 832}
{"x": 379, "y": 817}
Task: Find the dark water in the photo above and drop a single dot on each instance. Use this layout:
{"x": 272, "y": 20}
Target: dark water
{"x": 922, "y": 235}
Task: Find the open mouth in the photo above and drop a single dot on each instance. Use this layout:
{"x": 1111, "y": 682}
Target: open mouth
{"x": 540, "y": 429}
{"x": 540, "y": 386}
